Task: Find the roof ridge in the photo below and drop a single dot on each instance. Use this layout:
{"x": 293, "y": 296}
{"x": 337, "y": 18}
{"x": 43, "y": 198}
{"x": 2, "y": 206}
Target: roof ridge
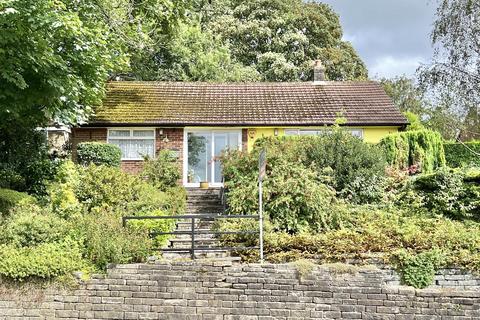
{"x": 205, "y": 83}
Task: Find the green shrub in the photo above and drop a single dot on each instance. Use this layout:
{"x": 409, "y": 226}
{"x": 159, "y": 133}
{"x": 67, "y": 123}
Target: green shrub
{"x": 45, "y": 261}
{"x": 25, "y": 162}
{"x": 460, "y": 155}
{"x": 294, "y": 197}
{"x": 451, "y": 192}
{"x": 61, "y": 192}
{"x": 418, "y": 270}
{"x": 9, "y": 198}
{"x": 348, "y": 157}
{"x": 108, "y": 187}
{"x": 30, "y": 225}
{"x": 99, "y": 153}
{"x": 163, "y": 171}
{"x": 369, "y": 232}
{"x": 420, "y": 151}
{"x": 107, "y": 241}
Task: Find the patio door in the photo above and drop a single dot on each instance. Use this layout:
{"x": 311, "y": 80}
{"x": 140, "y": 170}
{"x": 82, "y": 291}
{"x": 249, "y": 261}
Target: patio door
{"x": 202, "y": 151}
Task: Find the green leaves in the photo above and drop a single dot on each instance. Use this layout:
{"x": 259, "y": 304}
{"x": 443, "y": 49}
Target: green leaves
{"x": 281, "y": 38}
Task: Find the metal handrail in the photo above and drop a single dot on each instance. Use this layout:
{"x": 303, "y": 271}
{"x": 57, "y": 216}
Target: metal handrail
{"x": 195, "y": 231}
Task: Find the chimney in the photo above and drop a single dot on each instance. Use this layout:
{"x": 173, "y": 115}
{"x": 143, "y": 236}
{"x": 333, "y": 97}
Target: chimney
{"x": 318, "y": 72}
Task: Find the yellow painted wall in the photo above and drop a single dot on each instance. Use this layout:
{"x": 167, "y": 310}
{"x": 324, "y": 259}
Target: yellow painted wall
{"x": 370, "y": 134}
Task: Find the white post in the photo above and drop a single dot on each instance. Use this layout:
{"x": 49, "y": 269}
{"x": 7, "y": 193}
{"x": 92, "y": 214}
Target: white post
{"x": 260, "y": 214}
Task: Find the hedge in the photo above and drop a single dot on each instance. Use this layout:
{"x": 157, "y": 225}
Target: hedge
{"x": 9, "y": 198}
{"x": 459, "y": 155}
{"x": 98, "y": 153}
{"x": 420, "y": 150}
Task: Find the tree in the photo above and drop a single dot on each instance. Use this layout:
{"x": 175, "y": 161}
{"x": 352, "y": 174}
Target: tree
{"x": 191, "y": 55}
{"x": 406, "y": 95}
{"x": 281, "y": 38}
{"x": 420, "y": 109}
{"x": 53, "y": 64}
{"x": 454, "y": 72}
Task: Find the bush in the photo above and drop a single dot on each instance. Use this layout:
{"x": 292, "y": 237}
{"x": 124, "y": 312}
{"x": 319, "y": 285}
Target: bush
{"x": 295, "y": 199}
{"x": 99, "y": 153}
{"x": 373, "y": 233}
{"x": 163, "y": 171}
{"x": 45, "y": 261}
{"x": 25, "y": 163}
{"x": 461, "y": 155}
{"x": 450, "y": 192}
{"x": 30, "y": 225}
{"x": 348, "y": 157}
{"x": 418, "y": 270}
{"x": 107, "y": 241}
{"x": 421, "y": 149}
{"x": 109, "y": 187}
{"x": 9, "y": 198}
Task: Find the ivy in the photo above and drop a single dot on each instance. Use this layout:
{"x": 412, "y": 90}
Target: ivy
{"x": 418, "y": 270}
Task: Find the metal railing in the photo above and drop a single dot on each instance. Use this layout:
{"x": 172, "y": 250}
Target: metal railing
{"x": 194, "y": 231}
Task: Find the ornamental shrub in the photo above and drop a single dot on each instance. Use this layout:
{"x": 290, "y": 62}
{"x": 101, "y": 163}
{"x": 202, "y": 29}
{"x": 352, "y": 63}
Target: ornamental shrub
{"x": 105, "y": 240}
{"x": 45, "y": 261}
{"x": 99, "y": 153}
{"x": 462, "y": 154}
{"x": 30, "y": 225}
{"x": 9, "y": 198}
{"x": 348, "y": 157}
{"x": 451, "y": 192}
{"x": 422, "y": 149}
{"x": 163, "y": 171}
{"x": 295, "y": 197}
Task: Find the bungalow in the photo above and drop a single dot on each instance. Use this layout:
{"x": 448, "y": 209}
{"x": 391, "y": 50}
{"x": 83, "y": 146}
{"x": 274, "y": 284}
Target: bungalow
{"x": 199, "y": 120}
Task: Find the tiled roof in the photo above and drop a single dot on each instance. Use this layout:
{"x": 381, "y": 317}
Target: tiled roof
{"x": 243, "y": 104}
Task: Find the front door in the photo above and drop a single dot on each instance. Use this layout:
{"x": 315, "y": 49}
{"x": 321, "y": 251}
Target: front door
{"x": 203, "y": 149}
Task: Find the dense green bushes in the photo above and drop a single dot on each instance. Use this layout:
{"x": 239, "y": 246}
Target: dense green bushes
{"x": 449, "y": 192}
{"x": 98, "y": 153}
{"x": 462, "y": 154}
{"x": 163, "y": 171}
{"x": 368, "y": 232}
{"x": 25, "y": 162}
{"x": 418, "y": 151}
{"x": 9, "y": 198}
{"x": 304, "y": 174}
{"x": 318, "y": 183}
{"x": 78, "y": 224}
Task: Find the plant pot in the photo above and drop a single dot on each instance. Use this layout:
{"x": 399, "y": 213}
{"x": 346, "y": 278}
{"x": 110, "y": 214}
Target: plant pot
{"x": 204, "y": 185}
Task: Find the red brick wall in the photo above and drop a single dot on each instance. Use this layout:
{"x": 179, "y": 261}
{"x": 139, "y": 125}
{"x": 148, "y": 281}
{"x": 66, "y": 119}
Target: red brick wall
{"x": 80, "y": 135}
{"x": 171, "y": 138}
{"x": 132, "y": 166}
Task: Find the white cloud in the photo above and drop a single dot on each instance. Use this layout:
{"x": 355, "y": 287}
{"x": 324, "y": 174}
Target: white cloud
{"x": 389, "y": 66}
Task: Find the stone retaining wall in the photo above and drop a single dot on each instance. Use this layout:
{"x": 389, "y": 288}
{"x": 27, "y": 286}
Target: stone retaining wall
{"x": 220, "y": 290}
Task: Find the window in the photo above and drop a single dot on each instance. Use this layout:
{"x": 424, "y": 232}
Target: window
{"x": 312, "y": 132}
{"x": 134, "y": 143}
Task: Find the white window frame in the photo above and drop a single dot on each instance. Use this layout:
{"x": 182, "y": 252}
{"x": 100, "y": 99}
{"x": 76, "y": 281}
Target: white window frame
{"x": 297, "y": 131}
{"x": 131, "y": 137}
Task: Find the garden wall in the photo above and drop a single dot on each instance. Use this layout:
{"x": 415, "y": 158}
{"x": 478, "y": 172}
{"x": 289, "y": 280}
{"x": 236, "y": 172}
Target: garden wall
{"x": 219, "y": 290}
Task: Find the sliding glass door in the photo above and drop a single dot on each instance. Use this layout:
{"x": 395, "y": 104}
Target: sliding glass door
{"x": 203, "y": 149}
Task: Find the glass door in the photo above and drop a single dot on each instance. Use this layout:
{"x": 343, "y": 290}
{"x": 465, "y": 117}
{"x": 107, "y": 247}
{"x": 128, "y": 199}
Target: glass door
{"x": 223, "y": 141}
{"x": 199, "y": 146}
{"x": 203, "y": 149}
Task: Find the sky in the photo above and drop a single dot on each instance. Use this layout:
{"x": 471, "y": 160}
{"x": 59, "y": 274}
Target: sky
{"x": 391, "y": 36}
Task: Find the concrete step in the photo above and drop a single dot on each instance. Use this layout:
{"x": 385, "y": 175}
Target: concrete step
{"x": 217, "y": 255}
